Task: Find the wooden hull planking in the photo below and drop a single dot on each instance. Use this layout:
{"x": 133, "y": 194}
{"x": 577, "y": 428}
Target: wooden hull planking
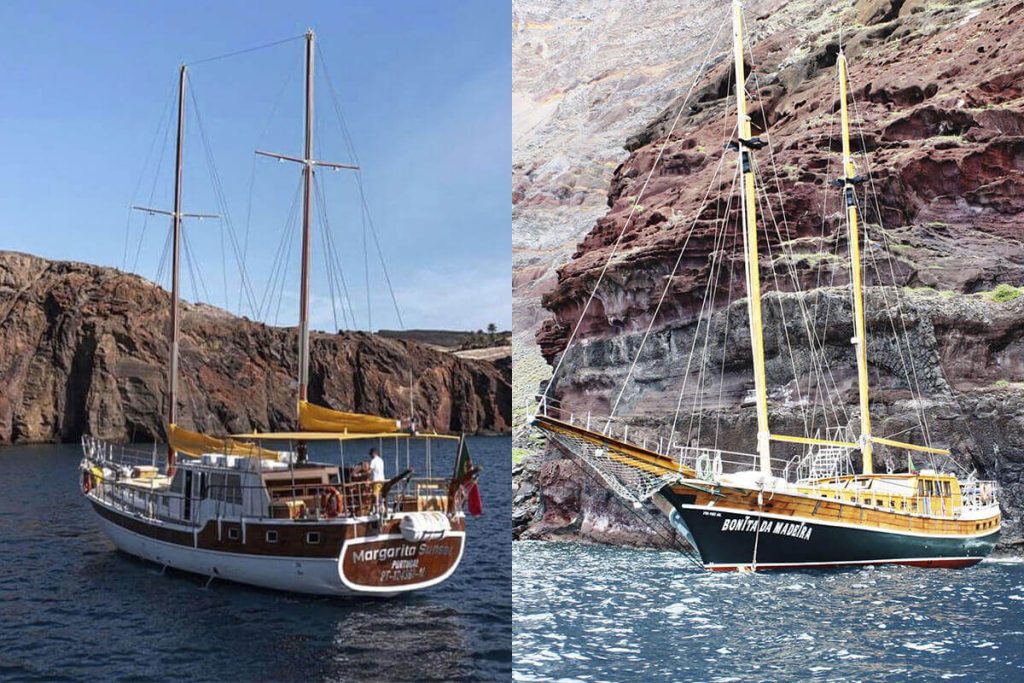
{"x": 349, "y": 558}
{"x": 732, "y": 531}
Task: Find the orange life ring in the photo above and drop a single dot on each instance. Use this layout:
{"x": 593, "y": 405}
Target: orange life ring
{"x": 332, "y": 502}
{"x": 86, "y": 481}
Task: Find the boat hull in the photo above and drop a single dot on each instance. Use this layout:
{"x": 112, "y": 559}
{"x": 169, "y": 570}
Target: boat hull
{"x": 730, "y": 539}
{"x": 383, "y": 565}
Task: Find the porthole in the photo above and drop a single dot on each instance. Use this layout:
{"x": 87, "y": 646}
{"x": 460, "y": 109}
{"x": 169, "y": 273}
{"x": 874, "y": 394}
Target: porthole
{"x": 271, "y": 537}
{"x": 233, "y": 534}
{"x": 313, "y": 537}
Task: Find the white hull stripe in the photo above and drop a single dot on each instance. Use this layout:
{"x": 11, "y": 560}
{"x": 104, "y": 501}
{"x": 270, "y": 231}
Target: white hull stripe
{"x": 892, "y": 560}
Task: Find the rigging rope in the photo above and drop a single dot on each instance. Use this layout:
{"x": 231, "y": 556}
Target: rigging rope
{"x": 247, "y": 50}
{"x": 632, "y": 211}
{"x": 664, "y": 291}
{"x": 367, "y": 216}
{"x": 912, "y": 372}
{"x": 163, "y": 123}
{"x": 221, "y": 199}
{"x": 819, "y": 361}
{"x": 152, "y": 189}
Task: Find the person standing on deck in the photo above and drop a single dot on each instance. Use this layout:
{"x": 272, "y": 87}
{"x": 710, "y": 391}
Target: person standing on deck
{"x": 376, "y": 466}
{"x": 376, "y": 474}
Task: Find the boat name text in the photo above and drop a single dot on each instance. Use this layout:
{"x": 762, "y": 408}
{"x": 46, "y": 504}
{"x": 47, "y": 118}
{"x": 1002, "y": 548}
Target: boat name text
{"x": 768, "y": 526}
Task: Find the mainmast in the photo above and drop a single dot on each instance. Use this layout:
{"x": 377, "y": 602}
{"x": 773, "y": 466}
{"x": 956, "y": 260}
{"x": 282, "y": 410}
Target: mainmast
{"x": 172, "y": 379}
{"x": 308, "y": 164}
{"x": 307, "y": 205}
{"x": 859, "y": 340}
{"x": 745, "y": 146}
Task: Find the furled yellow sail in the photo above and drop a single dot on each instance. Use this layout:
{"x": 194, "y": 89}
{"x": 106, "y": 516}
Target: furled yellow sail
{"x": 316, "y": 418}
{"x": 192, "y": 443}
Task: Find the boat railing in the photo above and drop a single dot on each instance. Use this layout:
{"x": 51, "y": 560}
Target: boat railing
{"x": 105, "y": 452}
{"x": 978, "y": 495}
{"x": 120, "y": 483}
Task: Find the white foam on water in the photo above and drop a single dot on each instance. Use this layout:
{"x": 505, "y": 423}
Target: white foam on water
{"x": 936, "y": 648}
{"x": 534, "y": 617}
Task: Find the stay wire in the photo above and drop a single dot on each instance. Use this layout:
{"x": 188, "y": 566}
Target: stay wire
{"x": 629, "y": 218}
{"x": 368, "y": 217}
{"x": 152, "y": 189}
{"x": 163, "y": 124}
{"x": 247, "y": 50}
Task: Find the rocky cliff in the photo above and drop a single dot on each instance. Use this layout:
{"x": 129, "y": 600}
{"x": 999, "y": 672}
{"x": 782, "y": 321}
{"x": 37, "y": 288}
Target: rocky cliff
{"x": 939, "y": 91}
{"x": 84, "y": 349}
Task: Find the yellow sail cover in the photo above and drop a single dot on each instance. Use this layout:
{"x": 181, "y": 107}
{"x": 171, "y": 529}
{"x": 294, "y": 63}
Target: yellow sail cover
{"x": 192, "y": 443}
{"x": 319, "y": 419}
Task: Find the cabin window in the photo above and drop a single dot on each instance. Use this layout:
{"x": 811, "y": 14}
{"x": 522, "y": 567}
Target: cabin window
{"x": 178, "y": 483}
{"x": 313, "y": 537}
{"x": 233, "y": 489}
{"x": 213, "y": 486}
{"x": 945, "y": 489}
{"x": 226, "y": 488}
{"x": 233, "y": 534}
{"x": 271, "y": 537}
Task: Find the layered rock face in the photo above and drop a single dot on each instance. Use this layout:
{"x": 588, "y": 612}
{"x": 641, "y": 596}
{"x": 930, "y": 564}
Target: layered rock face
{"x": 586, "y": 75}
{"x": 938, "y": 87}
{"x": 83, "y": 349}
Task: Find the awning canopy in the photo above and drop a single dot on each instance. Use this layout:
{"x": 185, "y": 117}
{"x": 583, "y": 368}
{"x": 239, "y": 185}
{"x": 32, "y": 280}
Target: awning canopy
{"x": 195, "y": 444}
{"x": 316, "y": 418}
{"x": 334, "y": 436}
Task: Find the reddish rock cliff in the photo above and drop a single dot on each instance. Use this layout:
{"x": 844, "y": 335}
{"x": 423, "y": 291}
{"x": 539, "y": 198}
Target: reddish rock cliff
{"x": 940, "y": 109}
{"x": 84, "y": 349}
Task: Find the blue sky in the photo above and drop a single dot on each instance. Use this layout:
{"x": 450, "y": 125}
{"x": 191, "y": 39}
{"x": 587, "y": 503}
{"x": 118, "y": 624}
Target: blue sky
{"x": 423, "y": 86}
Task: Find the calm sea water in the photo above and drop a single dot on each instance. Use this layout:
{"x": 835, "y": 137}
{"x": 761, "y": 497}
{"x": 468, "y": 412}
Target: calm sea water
{"x": 606, "y": 614}
{"x": 72, "y": 607}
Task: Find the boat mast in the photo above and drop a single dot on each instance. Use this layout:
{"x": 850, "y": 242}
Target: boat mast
{"x": 308, "y": 162}
{"x": 859, "y": 340}
{"x": 172, "y": 378}
{"x": 307, "y": 205}
{"x": 745, "y": 147}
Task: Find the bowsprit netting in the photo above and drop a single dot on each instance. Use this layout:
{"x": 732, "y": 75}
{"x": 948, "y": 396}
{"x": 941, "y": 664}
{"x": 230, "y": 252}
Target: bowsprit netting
{"x": 631, "y": 473}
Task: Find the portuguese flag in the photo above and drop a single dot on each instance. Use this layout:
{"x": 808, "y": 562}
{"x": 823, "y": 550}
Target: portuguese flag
{"x": 464, "y": 481}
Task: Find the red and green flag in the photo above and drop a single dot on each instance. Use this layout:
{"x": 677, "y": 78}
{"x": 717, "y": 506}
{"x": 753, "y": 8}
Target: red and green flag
{"x": 464, "y": 481}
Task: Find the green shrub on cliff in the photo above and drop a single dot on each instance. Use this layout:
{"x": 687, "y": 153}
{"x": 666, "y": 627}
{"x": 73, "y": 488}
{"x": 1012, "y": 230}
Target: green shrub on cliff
{"x": 1003, "y": 293}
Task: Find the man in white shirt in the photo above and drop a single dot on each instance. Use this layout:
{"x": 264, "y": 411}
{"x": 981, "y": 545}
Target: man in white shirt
{"x": 376, "y": 466}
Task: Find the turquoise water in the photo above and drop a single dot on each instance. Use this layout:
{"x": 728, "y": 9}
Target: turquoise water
{"x": 74, "y": 608}
{"x": 594, "y": 613}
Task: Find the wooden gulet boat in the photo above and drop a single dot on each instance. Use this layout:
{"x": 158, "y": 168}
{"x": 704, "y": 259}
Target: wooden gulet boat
{"x": 235, "y": 508}
{"x": 815, "y": 515}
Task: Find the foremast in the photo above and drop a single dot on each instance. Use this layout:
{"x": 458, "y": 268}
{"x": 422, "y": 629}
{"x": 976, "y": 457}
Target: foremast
{"x": 746, "y": 145}
{"x": 859, "y": 340}
{"x": 176, "y": 215}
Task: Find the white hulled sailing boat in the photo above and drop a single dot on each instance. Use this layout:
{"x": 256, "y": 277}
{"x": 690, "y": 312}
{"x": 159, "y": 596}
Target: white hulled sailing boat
{"x": 811, "y": 512}
{"x": 234, "y": 507}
